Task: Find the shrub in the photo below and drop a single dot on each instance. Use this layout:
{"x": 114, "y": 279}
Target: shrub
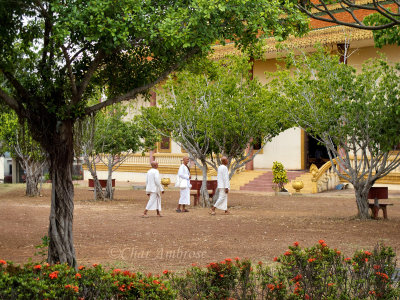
{"x": 37, "y": 281}
{"x": 280, "y": 175}
{"x": 318, "y": 272}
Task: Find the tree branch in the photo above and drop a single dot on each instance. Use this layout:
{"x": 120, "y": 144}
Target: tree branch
{"x": 358, "y": 24}
{"x": 88, "y": 76}
{"x": 70, "y": 73}
{"x": 133, "y": 93}
{"x": 10, "y": 101}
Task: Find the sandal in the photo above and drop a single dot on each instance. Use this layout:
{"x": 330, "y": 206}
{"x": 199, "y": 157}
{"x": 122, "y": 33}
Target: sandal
{"x": 178, "y": 210}
{"x": 185, "y": 210}
{"x": 212, "y": 213}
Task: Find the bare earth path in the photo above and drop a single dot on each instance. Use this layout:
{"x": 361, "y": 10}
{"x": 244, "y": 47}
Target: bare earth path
{"x": 260, "y": 227}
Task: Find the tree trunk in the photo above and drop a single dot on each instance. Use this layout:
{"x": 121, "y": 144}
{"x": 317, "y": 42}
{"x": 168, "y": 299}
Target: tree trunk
{"x": 204, "y": 197}
{"x": 33, "y": 172}
{"x": 32, "y": 184}
{"x": 362, "y": 202}
{"x": 98, "y": 191}
{"x": 60, "y": 149}
{"x": 109, "y": 188}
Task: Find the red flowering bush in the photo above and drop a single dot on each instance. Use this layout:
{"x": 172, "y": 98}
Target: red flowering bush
{"x": 62, "y": 282}
{"x": 220, "y": 280}
{"x": 319, "y": 272}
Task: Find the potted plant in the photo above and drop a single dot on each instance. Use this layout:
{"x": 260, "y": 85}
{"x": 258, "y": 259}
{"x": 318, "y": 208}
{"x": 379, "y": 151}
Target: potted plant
{"x": 280, "y": 176}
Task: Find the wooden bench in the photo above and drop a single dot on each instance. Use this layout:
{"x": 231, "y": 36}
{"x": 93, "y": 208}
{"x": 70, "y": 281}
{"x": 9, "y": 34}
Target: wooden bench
{"x": 377, "y": 193}
{"x": 195, "y": 189}
{"x": 103, "y": 183}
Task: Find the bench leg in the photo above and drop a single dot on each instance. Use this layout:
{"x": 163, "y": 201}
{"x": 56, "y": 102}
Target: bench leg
{"x": 196, "y": 200}
{"x": 375, "y": 211}
{"x": 384, "y": 212}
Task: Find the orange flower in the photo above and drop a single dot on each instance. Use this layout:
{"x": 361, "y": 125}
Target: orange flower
{"x": 95, "y": 265}
{"x": 77, "y": 275}
{"x": 81, "y": 267}
{"x": 271, "y": 286}
{"x": 367, "y": 253}
{"x": 221, "y": 275}
{"x": 321, "y": 241}
{"x": 311, "y": 259}
{"x": 2, "y": 262}
{"x": 54, "y": 275}
{"x": 37, "y": 267}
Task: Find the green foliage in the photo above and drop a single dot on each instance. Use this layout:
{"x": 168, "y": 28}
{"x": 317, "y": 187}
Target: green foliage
{"x": 16, "y": 138}
{"x": 280, "y": 175}
{"x": 216, "y": 107}
{"x": 43, "y": 248}
{"x": 318, "y": 272}
{"x": 115, "y": 133}
{"x": 388, "y": 36}
{"x": 39, "y": 281}
{"x": 219, "y": 280}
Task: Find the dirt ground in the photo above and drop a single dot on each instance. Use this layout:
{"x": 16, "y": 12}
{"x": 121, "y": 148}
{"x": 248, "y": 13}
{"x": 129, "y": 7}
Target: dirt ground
{"x": 260, "y": 227}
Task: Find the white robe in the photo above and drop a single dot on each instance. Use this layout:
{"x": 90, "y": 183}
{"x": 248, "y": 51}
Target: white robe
{"x": 223, "y": 183}
{"x": 154, "y": 188}
{"x": 184, "y": 173}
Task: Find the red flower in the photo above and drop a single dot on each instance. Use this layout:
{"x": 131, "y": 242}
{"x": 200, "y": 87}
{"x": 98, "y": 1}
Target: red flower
{"x": 228, "y": 259}
{"x": 347, "y": 259}
{"x": 271, "y": 286}
{"x": 2, "y": 262}
{"x": 221, "y": 275}
{"x": 95, "y": 265}
{"x": 330, "y": 284}
{"x": 287, "y": 253}
{"x": 306, "y": 297}
{"x": 116, "y": 271}
{"x": 260, "y": 263}
{"x": 77, "y": 275}
{"x": 311, "y": 259}
{"x": 81, "y": 267}
{"x": 367, "y": 253}
{"x": 156, "y": 282}
{"x": 366, "y": 259}
{"x": 275, "y": 258}
{"x": 54, "y": 275}
{"x": 324, "y": 245}
{"x": 127, "y": 273}
{"x": 321, "y": 242}
{"x": 236, "y": 258}
{"x": 165, "y": 272}
{"x": 75, "y": 288}
{"x": 377, "y": 267}
{"x": 37, "y": 267}
{"x": 296, "y": 244}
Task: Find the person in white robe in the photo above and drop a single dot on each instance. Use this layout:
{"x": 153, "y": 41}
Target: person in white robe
{"x": 184, "y": 174}
{"x": 154, "y": 190}
{"x": 223, "y": 187}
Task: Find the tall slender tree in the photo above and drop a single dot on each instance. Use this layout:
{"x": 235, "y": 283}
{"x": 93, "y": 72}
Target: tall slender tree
{"x": 356, "y": 116}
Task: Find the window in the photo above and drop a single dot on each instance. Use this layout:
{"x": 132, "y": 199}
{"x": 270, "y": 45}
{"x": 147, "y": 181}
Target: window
{"x": 164, "y": 146}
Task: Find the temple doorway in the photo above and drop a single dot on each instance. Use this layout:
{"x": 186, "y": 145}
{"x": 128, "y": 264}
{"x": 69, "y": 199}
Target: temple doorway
{"x": 316, "y": 153}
